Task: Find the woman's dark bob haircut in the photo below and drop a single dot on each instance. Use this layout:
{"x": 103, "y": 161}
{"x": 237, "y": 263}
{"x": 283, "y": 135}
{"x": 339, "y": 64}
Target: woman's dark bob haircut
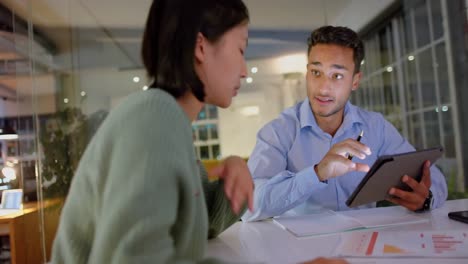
{"x": 168, "y": 48}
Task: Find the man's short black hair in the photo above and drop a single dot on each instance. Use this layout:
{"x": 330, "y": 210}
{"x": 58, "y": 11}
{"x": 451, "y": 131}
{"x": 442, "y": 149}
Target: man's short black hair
{"x": 341, "y": 36}
{"x": 169, "y": 40}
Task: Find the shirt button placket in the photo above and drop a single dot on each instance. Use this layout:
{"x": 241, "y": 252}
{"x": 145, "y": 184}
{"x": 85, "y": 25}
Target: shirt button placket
{"x": 334, "y": 180}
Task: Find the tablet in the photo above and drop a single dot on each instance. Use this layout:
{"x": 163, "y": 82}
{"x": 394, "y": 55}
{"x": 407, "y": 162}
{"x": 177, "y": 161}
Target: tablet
{"x": 387, "y": 172}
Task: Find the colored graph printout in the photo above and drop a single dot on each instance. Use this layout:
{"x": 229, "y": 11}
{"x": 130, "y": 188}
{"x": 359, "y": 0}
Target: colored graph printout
{"x": 443, "y": 244}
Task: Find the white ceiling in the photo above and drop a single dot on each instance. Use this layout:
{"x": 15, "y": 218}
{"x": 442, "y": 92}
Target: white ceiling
{"x": 266, "y": 14}
{"x": 107, "y": 33}
{"x": 277, "y": 26}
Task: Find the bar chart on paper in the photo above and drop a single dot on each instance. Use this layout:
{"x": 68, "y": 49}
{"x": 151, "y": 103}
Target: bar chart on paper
{"x": 405, "y": 244}
{"x": 446, "y": 243}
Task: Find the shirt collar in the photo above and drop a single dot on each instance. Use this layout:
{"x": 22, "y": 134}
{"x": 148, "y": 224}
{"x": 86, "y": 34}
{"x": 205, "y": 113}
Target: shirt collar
{"x": 307, "y": 118}
{"x": 351, "y": 115}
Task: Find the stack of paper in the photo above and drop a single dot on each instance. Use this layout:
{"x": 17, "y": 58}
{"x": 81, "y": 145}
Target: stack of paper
{"x": 327, "y": 221}
{"x": 443, "y": 244}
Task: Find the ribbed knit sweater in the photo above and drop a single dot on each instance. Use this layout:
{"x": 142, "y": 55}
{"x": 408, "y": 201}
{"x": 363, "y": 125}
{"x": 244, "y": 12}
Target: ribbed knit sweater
{"x": 139, "y": 195}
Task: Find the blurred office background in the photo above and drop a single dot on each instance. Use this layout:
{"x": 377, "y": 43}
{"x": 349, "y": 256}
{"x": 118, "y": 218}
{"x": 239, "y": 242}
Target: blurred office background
{"x": 64, "y": 64}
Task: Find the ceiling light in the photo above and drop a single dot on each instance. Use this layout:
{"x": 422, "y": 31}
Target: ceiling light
{"x": 11, "y": 162}
{"x": 410, "y": 57}
{"x": 291, "y": 63}
{"x": 83, "y": 93}
{"x": 136, "y": 79}
{"x": 362, "y": 62}
{"x": 65, "y": 100}
{"x": 9, "y": 173}
{"x": 249, "y": 80}
{"x": 7, "y": 132}
{"x": 7, "y": 137}
{"x": 389, "y": 69}
{"x": 254, "y": 70}
{"x": 250, "y": 110}
{"x": 145, "y": 88}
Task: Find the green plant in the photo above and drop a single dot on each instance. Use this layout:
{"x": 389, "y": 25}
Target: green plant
{"x": 451, "y": 186}
{"x": 63, "y": 139}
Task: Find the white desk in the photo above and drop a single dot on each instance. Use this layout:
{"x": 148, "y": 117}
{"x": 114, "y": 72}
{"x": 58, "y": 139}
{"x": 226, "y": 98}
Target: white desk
{"x": 266, "y": 242}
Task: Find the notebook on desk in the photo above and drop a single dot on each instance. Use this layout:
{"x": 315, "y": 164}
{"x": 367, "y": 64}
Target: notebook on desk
{"x": 330, "y": 222}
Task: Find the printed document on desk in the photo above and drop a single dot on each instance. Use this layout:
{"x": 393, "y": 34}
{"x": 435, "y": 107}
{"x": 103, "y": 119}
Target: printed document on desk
{"x": 438, "y": 244}
{"x": 329, "y": 222}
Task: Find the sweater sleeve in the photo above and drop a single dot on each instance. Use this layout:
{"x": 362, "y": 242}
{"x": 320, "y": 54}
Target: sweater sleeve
{"x": 138, "y": 185}
{"x": 220, "y": 214}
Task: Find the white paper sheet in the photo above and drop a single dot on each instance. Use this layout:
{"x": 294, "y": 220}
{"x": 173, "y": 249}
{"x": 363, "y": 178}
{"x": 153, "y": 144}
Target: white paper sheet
{"x": 315, "y": 224}
{"x": 385, "y": 216}
{"x": 328, "y": 222}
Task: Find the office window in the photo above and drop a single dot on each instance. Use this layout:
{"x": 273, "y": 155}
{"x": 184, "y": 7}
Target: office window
{"x": 426, "y": 69}
{"x": 406, "y": 77}
{"x": 421, "y": 23}
{"x": 437, "y": 20}
{"x": 205, "y": 133}
{"x": 449, "y": 137}
{"x": 410, "y": 82}
{"x": 441, "y": 62}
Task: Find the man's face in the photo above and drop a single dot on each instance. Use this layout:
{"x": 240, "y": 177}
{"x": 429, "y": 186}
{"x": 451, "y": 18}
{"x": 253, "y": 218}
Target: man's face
{"x": 330, "y": 79}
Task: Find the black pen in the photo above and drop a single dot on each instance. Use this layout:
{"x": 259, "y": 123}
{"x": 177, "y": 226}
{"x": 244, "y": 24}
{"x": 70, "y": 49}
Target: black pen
{"x": 350, "y": 157}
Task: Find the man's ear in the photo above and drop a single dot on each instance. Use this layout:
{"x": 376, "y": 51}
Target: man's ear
{"x": 200, "y": 48}
{"x": 356, "y": 80}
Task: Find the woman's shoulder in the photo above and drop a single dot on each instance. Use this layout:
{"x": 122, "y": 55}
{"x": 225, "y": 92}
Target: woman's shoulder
{"x": 152, "y": 100}
{"x": 148, "y": 119}
{"x": 153, "y": 107}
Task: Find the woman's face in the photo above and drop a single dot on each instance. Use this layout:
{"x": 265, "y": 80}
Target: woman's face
{"x": 221, "y": 65}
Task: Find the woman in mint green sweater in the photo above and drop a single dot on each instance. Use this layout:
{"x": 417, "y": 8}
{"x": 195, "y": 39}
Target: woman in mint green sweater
{"x": 139, "y": 195}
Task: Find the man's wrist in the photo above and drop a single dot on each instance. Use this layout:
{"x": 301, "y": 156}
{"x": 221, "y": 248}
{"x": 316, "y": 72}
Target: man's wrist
{"x": 427, "y": 205}
{"x": 318, "y": 176}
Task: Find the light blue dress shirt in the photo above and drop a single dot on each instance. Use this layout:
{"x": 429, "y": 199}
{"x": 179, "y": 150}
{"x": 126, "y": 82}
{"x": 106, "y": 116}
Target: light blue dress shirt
{"x": 282, "y": 163}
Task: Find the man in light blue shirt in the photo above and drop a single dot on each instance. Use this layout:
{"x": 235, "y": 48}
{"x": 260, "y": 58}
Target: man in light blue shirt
{"x": 300, "y": 162}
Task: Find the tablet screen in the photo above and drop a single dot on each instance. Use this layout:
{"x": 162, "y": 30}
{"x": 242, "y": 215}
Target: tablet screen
{"x": 387, "y": 172}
